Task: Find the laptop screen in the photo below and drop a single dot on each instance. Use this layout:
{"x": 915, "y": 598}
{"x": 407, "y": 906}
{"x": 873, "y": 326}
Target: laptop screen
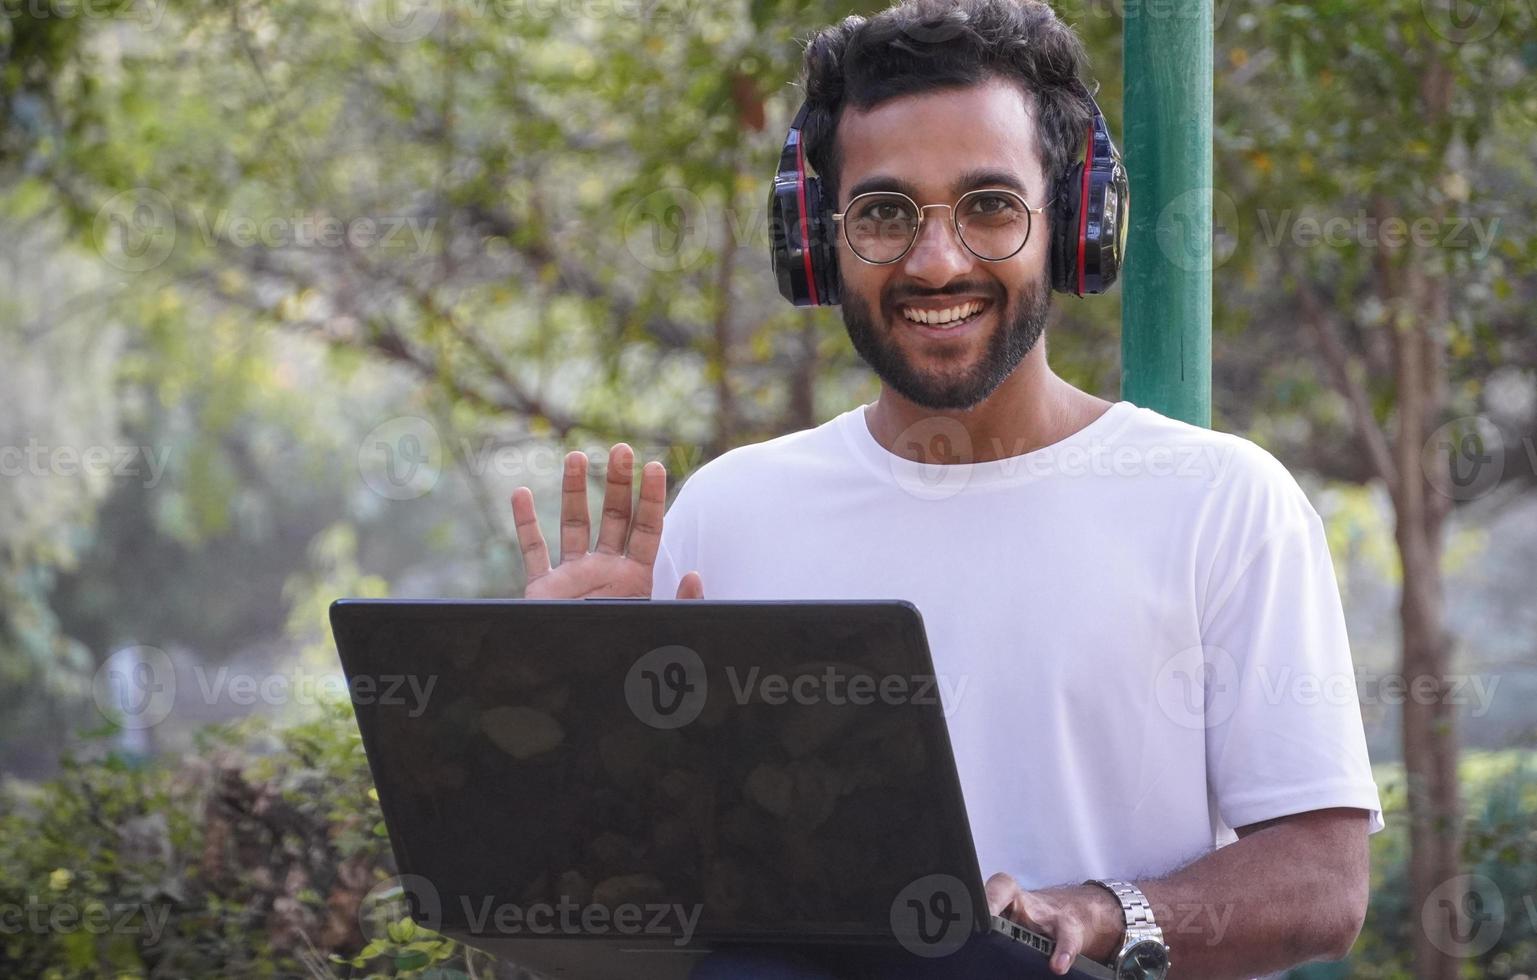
{"x": 742, "y": 769}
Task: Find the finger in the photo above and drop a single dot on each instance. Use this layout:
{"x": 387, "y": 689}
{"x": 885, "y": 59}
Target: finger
{"x": 616, "y": 501}
{"x": 536, "y": 555}
{"x": 646, "y": 529}
{"x": 575, "y": 527}
{"x": 1001, "y": 891}
{"x": 691, "y": 587}
{"x": 1069, "y": 936}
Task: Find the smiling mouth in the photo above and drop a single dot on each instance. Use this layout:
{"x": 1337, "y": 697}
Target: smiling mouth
{"x": 948, "y": 318}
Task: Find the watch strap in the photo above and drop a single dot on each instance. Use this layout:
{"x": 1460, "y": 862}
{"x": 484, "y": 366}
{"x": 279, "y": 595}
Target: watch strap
{"x": 1134, "y": 905}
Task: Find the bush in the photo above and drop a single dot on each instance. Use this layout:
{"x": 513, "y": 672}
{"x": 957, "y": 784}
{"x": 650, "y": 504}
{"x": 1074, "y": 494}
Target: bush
{"x": 264, "y": 855}
{"x": 1499, "y": 796}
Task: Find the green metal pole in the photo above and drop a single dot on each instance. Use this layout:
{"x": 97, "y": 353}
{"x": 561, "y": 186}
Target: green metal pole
{"x": 1166, "y": 298}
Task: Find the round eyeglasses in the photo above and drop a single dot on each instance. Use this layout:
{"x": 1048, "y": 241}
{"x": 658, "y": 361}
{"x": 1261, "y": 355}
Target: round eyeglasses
{"x": 993, "y": 224}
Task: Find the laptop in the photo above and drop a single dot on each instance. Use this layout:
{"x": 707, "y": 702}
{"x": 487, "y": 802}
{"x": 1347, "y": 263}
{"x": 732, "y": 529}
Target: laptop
{"x": 597, "y": 788}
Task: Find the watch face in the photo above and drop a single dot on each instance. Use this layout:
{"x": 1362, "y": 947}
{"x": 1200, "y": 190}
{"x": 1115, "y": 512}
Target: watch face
{"x": 1145, "y": 960}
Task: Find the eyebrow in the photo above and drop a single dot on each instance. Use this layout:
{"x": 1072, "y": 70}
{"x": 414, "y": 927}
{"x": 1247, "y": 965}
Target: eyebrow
{"x": 970, "y": 180}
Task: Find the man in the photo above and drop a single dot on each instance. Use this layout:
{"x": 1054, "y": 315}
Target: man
{"x": 1146, "y": 609}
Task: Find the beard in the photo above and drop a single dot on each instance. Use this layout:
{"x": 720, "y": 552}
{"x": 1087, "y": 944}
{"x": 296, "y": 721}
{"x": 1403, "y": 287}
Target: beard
{"x": 1020, "y": 327}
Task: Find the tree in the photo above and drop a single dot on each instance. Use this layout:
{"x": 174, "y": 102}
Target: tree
{"x": 1366, "y": 151}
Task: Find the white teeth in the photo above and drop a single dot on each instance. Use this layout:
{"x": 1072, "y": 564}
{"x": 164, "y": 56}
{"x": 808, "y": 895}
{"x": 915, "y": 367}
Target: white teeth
{"x": 940, "y": 317}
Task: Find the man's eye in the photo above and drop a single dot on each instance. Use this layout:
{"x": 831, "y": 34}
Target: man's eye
{"x": 992, "y": 204}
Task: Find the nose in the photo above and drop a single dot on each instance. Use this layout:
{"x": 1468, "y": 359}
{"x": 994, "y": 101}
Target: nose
{"x": 938, "y": 255}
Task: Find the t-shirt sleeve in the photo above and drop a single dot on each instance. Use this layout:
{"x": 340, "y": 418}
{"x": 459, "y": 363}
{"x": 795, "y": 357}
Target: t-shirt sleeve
{"x": 1284, "y": 732}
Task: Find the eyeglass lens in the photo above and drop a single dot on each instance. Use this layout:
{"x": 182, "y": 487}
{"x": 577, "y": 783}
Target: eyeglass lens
{"x": 881, "y": 227}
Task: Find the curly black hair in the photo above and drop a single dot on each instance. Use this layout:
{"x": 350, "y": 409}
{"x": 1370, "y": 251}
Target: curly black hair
{"x": 924, "y": 45}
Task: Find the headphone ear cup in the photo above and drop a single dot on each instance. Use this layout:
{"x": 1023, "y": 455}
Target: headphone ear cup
{"x": 1066, "y": 219}
{"x": 824, "y": 259}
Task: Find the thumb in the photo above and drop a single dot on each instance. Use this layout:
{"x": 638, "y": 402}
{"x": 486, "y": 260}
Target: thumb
{"x": 691, "y": 586}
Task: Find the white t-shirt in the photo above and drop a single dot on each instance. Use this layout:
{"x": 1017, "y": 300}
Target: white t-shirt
{"x": 1137, "y": 630}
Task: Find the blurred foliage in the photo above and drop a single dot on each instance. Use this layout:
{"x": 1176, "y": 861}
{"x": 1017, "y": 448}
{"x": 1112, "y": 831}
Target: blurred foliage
{"x": 264, "y": 855}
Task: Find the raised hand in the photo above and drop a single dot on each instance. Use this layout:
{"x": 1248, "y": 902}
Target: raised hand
{"x": 621, "y": 564}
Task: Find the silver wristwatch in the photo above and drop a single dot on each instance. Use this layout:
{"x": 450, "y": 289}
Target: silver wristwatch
{"x": 1143, "y": 955}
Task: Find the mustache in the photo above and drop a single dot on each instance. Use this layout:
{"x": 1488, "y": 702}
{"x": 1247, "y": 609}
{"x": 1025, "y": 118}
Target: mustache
{"x": 968, "y": 293}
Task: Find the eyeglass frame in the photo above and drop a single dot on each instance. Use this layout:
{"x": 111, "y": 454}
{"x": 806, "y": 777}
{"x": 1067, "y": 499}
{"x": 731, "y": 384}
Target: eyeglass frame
{"x": 838, "y": 216}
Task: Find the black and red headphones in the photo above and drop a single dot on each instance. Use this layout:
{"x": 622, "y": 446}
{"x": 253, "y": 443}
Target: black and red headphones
{"x": 1088, "y": 226}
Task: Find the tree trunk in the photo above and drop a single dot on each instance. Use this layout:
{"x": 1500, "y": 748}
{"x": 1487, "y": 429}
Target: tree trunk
{"x": 1429, "y": 717}
{"x": 1430, "y": 749}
